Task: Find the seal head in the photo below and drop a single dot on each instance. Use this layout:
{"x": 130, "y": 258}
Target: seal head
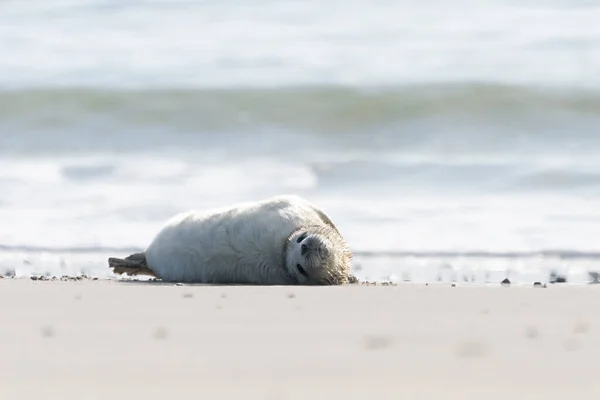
{"x": 317, "y": 255}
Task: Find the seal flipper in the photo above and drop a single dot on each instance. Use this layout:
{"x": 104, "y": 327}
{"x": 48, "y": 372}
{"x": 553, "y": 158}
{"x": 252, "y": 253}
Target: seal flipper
{"x": 134, "y": 264}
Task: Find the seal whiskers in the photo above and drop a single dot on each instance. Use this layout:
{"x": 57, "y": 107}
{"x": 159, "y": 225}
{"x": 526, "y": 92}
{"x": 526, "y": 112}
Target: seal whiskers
{"x": 319, "y": 254}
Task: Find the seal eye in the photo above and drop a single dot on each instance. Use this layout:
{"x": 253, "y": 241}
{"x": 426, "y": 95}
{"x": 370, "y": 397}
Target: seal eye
{"x": 301, "y": 237}
{"x": 301, "y": 270}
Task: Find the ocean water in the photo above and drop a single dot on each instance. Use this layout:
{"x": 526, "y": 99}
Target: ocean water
{"x": 449, "y": 141}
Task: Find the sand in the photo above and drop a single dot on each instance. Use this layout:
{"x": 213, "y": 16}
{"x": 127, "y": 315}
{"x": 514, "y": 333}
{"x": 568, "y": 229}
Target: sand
{"x": 123, "y": 340}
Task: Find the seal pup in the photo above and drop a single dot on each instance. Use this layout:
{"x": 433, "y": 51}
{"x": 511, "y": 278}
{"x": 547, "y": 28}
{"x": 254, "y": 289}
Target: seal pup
{"x": 282, "y": 240}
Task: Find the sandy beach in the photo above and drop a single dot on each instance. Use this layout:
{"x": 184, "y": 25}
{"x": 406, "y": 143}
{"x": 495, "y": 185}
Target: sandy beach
{"x": 118, "y": 339}
{"x": 448, "y": 142}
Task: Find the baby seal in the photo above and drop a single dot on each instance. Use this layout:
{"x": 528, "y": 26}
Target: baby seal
{"x": 283, "y": 240}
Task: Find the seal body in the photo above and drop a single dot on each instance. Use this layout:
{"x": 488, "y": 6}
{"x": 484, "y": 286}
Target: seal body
{"x": 276, "y": 241}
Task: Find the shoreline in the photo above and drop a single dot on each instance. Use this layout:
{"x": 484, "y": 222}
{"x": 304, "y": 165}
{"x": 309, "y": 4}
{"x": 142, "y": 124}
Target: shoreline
{"x": 374, "y": 269}
{"x": 558, "y": 280}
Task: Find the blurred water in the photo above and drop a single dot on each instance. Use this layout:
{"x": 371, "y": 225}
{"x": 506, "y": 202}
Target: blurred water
{"x": 428, "y": 130}
{"x": 267, "y": 42}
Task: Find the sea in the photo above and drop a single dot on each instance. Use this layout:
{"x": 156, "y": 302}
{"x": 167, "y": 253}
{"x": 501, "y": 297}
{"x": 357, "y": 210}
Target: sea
{"x": 451, "y": 142}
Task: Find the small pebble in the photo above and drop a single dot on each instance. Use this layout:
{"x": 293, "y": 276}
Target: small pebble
{"x": 532, "y": 332}
{"x": 377, "y": 342}
{"x": 291, "y": 295}
{"x": 581, "y": 328}
{"x": 160, "y": 333}
{"x": 47, "y": 331}
{"x": 505, "y": 282}
{"x": 453, "y": 285}
{"x": 471, "y": 349}
{"x": 556, "y": 278}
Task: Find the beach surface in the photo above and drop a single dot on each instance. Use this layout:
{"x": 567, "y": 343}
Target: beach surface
{"x": 121, "y": 339}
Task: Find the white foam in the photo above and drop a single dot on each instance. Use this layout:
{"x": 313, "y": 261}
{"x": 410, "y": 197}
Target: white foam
{"x": 125, "y": 204}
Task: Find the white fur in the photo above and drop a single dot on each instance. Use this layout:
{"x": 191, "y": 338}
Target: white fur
{"x": 240, "y": 244}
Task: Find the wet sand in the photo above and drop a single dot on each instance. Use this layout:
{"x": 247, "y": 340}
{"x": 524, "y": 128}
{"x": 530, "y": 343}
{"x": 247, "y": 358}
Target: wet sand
{"x": 124, "y": 340}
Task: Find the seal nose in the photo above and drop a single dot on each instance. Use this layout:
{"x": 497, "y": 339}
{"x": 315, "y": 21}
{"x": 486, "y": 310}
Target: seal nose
{"x": 308, "y": 245}
{"x": 303, "y": 249}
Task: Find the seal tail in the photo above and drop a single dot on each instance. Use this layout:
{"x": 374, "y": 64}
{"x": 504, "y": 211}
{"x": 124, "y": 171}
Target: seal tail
{"x": 134, "y": 264}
